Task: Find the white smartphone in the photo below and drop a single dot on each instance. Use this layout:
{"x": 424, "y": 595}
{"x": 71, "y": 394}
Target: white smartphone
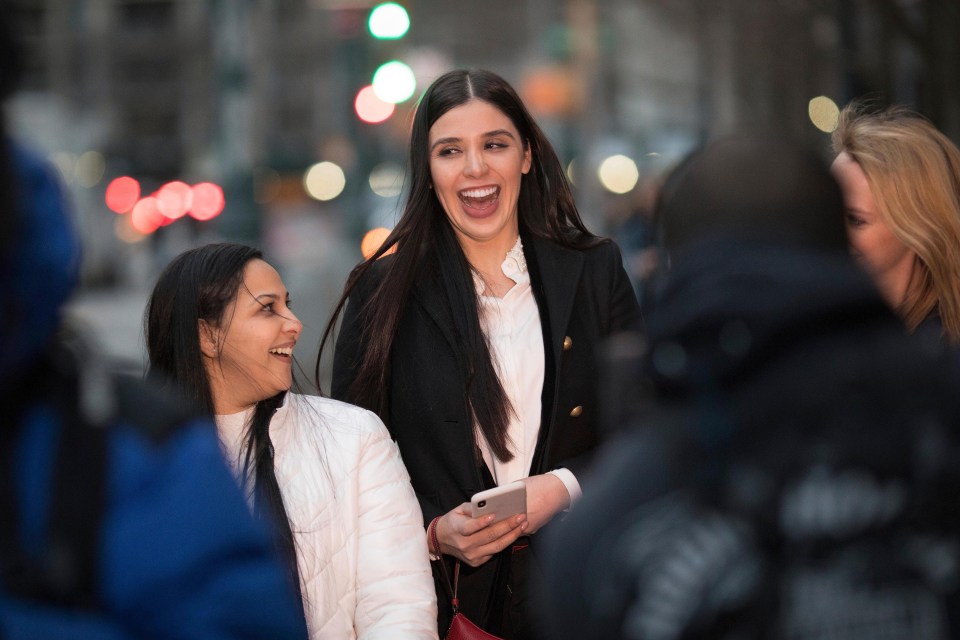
{"x": 505, "y": 501}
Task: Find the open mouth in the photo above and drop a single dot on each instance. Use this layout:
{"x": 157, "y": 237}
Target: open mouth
{"x": 284, "y": 353}
{"x": 480, "y": 201}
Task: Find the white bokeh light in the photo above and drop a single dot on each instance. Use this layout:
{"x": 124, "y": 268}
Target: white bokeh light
{"x": 324, "y": 181}
{"x": 618, "y": 174}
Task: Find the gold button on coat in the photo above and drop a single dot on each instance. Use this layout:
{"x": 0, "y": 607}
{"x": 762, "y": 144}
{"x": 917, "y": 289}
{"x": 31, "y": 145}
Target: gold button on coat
{"x": 576, "y": 411}
{"x": 567, "y": 343}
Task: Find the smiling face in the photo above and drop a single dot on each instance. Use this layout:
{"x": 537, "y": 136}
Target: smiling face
{"x": 872, "y": 242}
{"x": 249, "y": 358}
{"x": 477, "y": 160}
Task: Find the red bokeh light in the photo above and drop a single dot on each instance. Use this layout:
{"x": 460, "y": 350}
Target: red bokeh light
{"x": 208, "y": 201}
{"x": 122, "y": 194}
{"x": 174, "y": 199}
{"x": 145, "y": 216}
{"x": 370, "y": 108}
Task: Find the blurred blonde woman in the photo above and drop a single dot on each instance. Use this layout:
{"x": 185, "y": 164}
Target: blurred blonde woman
{"x": 900, "y": 178}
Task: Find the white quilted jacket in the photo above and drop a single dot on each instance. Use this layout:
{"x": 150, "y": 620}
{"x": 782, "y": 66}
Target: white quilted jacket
{"x": 361, "y": 547}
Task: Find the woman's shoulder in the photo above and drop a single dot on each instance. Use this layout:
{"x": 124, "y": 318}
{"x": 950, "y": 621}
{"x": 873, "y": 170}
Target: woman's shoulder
{"x": 598, "y": 250}
{"x": 337, "y": 416}
{"x": 602, "y": 249}
{"x": 370, "y": 276}
{"x": 582, "y": 244}
{"x": 377, "y": 271}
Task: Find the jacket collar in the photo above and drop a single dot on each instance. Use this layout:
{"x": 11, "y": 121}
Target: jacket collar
{"x": 554, "y": 269}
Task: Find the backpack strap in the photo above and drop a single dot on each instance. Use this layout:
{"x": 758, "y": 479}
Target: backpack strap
{"x": 66, "y": 573}
{"x": 78, "y": 501}
{"x": 88, "y": 401}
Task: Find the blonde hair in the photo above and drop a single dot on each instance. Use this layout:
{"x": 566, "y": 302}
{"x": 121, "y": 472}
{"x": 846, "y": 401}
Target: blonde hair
{"x": 914, "y": 174}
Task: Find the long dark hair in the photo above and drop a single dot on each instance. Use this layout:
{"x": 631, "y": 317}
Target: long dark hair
{"x": 200, "y": 284}
{"x": 427, "y": 247}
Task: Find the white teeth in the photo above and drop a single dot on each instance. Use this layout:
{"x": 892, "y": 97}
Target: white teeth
{"x": 283, "y": 351}
{"x": 479, "y": 193}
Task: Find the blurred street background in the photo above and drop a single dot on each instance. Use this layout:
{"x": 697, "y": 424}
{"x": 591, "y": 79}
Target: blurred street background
{"x": 283, "y": 123}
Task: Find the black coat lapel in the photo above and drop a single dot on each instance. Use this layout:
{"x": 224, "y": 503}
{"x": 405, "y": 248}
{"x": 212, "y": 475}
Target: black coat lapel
{"x": 554, "y": 274}
{"x": 559, "y": 270}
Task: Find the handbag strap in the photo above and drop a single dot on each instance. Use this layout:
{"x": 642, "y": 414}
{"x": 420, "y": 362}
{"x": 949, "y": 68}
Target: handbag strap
{"x": 451, "y": 590}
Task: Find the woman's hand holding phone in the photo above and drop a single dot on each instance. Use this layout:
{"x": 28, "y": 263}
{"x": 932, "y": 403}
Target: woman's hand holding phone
{"x": 476, "y": 540}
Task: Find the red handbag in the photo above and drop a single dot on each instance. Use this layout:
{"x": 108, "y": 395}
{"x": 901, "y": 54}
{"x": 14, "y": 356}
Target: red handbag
{"x": 460, "y": 627}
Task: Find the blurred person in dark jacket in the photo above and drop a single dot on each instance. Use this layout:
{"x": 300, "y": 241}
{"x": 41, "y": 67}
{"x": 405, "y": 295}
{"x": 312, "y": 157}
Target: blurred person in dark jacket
{"x": 118, "y": 516}
{"x": 790, "y": 470}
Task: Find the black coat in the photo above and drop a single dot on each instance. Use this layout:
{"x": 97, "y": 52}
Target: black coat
{"x": 583, "y": 297}
{"x": 788, "y": 401}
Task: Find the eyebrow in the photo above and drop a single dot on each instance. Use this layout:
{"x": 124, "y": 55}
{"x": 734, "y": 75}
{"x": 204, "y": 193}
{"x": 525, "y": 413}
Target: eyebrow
{"x": 268, "y": 296}
{"x": 488, "y": 134}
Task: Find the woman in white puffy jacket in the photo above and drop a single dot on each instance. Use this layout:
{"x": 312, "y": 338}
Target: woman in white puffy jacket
{"x": 327, "y": 474}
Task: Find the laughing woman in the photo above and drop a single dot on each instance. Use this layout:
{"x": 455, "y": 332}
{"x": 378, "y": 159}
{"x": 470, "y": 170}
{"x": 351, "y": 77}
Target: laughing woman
{"x": 475, "y": 340}
{"x": 327, "y": 474}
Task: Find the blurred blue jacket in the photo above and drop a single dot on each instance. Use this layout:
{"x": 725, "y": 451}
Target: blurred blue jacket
{"x": 179, "y": 555}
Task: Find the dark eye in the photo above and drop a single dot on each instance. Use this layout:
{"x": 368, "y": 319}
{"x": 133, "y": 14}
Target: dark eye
{"x": 289, "y": 303}
{"x": 496, "y": 145}
{"x": 448, "y": 151}
{"x": 854, "y": 220}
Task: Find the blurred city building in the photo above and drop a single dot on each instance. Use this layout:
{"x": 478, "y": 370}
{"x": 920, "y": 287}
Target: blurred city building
{"x": 263, "y": 98}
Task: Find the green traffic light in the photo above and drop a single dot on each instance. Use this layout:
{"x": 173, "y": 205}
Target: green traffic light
{"x": 394, "y": 82}
{"x": 389, "y": 21}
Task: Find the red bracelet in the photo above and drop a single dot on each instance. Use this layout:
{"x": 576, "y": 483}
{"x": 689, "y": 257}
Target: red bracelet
{"x": 432, "y": 537}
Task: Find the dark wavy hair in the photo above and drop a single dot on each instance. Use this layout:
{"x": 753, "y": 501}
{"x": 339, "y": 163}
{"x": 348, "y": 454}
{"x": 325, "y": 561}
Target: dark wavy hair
{"x": 426, "y": 246}
{"x": 200, "y": 284}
